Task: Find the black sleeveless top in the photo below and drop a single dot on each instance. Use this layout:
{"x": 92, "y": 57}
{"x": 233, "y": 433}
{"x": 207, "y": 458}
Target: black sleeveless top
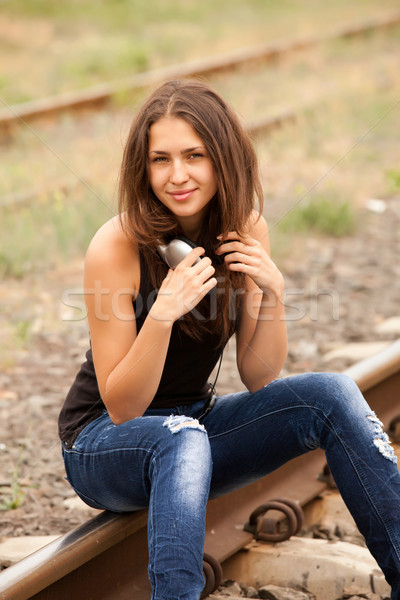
{"x": 184, "y": 379}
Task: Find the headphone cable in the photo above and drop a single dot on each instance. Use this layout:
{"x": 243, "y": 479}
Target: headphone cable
{"x": 209, "y": 405}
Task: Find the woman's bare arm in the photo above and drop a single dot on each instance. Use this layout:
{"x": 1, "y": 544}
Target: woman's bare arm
{"x": 128, "y": 364}
{"x": 261, "y": 338}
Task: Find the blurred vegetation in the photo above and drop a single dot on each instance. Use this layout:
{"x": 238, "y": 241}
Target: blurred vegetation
{"x": 48, "y": 231}
{"x": 78, "y": 43}
{"x": 317, "y": 171}
{"x": 49, "y": 47}
{"x": 13, "y": 496}
{"x": 394, "y": 180}
{"x": 323, "y": 214}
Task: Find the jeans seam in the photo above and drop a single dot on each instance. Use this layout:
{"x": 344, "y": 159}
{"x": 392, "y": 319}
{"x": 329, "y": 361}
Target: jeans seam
{"x": 101, "y": 452}
{"x": 356, "y": 466}
{"x": 242, "y": 425}
{"x": 151, "y": 516}
{"x": 358, "y": 469}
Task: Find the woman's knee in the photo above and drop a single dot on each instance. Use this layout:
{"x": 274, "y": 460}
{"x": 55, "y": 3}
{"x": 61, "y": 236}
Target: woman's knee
{"x": 338, "y": 395}
{"x": 185, "y": 460}
{"x": 339, "y": 385}
{"x": 333, "y": 386}
{"x": 186, "y": 438}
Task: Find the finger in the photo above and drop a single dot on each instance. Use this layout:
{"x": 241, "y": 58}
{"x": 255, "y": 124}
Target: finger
{"x": 208, "y": 285}
{"x": 233, "y": 235}
{"x": 241, "y": 267}
{"x": 202, "y": 291}
{"x": 228, "y": 235}
{"x": 202, "y": 264}
{"x": 236, "y": 246}
{"x": 206, "y": 273}
{"x": 230, "y": 247}
{"x": 192, "y": 257}
{"x": 241, "y": 258}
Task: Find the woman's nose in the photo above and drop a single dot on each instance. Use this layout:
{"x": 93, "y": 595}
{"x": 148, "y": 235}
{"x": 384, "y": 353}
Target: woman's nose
{"x": 179, "y": 173}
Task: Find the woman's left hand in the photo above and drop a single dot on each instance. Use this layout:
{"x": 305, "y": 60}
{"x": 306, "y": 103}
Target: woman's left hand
{"x": 247, "y": 255}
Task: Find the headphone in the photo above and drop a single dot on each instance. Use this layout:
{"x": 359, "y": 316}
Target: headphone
{"x": 177, "y": 249}
{"x": 172, "y": 254}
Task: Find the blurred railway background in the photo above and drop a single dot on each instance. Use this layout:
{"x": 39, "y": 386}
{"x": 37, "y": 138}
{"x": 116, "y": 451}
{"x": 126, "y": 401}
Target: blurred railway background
{"x": 330, "y": 169}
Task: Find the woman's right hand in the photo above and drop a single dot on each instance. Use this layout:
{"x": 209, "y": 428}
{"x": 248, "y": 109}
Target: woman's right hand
{"x": 184, "y": 287}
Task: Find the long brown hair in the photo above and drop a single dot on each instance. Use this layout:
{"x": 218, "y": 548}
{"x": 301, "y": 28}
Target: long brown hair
{"x": 148, "y": 222}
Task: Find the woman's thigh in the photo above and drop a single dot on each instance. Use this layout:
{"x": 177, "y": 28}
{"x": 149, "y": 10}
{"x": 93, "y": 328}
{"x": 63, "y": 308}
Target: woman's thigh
{"x": 252, "y": 434}
{"x": 105, "y": 461}
{"x": 115, "y": 467}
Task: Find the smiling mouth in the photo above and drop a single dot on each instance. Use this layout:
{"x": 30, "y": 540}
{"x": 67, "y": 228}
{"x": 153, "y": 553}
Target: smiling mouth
{"x": 182, "y": 194}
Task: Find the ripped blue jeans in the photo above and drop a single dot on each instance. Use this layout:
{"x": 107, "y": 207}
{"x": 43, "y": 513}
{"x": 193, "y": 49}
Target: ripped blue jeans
{"x": 173, "y": 464}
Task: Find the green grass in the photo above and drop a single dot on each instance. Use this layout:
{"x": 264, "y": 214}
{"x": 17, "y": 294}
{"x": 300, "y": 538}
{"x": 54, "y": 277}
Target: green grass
{"x": 323, "y": 214}
{"x": 49, "y": 47}
{"x": 125, "y": 58}
{"x": 13, "y": 496}
{"x": 343, "y": 149}
{"x": 49, "y": 232}
{"x": 393, "y": 177}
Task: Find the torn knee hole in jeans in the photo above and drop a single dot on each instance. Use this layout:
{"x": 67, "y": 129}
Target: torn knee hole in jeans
{"x": 176, "y": 423}
{"x": 381, "y": 439}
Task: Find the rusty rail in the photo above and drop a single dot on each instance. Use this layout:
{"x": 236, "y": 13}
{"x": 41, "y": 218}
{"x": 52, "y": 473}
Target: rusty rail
{"x": 107, "y": 557}
{"x": 264, "y": 125}
{"x": 103, "y": 93}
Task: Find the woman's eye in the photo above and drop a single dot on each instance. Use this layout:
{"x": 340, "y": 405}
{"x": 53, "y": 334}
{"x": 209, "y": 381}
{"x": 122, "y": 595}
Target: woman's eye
{"x": 195, "y": 155}
{"x": 159, "y": 159}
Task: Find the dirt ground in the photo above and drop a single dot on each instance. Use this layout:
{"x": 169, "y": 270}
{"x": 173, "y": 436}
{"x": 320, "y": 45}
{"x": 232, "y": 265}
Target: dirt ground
{"x": 338, "y": 292}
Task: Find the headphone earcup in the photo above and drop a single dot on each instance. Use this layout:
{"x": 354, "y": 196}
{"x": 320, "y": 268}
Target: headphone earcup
{"x": 187, "y": 241}
{"x": 177, "y": 249}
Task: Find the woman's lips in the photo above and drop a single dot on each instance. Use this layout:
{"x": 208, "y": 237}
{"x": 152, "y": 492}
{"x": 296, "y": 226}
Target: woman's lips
{"x": 181, "y": 194}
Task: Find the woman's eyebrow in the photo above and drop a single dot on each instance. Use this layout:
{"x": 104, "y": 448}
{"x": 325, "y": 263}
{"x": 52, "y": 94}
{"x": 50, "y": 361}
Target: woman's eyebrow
{"x": 193, "y": 149}
{"x": 185, "y": 151}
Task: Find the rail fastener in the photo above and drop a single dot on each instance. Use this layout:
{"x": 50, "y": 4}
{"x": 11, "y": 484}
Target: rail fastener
{"x": 107, "y": 556}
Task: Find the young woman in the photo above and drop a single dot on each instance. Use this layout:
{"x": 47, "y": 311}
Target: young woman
{"x": 141, "y": 426}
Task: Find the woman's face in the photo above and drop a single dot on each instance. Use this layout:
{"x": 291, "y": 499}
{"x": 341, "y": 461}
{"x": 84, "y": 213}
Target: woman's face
{"x": 180, "y": 171}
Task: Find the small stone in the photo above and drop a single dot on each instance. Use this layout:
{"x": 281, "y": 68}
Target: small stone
{"x": 220, "y": 596}
{"x": 249, "y": 591}
{"x": 305, "y": 349}
{"x": 376, "y": 205}
{"x": 230, "y": 588}
{"x": 354, "y": 592}
{"x": 273, "y": 592}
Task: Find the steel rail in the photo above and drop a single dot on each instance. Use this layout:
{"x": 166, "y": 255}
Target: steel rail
{"x": 102, "y": 93}
{"x": 107, "y": 556}
{"x": 264, "y": 124}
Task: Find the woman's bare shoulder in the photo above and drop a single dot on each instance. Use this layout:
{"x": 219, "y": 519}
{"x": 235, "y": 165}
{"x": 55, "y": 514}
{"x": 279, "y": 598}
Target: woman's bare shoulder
{"x": 112, "y": 250}
{"x": 256, "y": 225}
{"x": 111, "y": 238}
